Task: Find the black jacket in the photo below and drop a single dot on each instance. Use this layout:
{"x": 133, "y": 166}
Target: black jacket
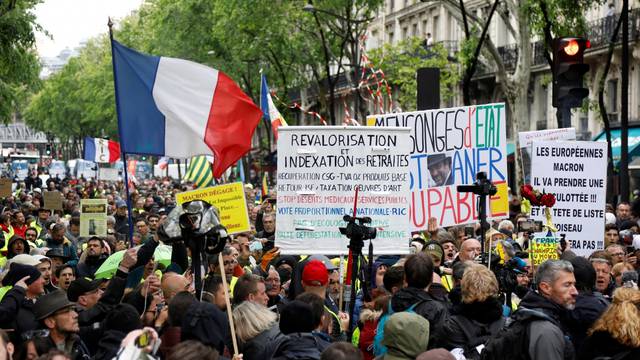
{"x": 264, "y": 345}
{"x": 122, "y": 224}
{"x": 16, "y": 312}
{"x": 472, "y": 325}
{"x": 109, "y": 345}
{"x": 601, "y": 343}
{"x": 430, "y": 308}
{"x": 78, "y": 349}
{"x": 589, "y": 307}
{"x": 300, "y": 346}
{"x": 88, "y": 268}
{"x": 110, "y": 298}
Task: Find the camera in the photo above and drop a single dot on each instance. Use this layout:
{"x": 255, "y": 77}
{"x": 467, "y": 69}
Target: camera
{"x": 626, "y": 237}
{"x": 469, "y": 231}
{"x": 358, "y": 231}
{"x": 481, "y": 187}
{"x": 530, "y": 226}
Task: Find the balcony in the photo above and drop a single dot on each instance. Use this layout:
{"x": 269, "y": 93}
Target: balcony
{"x": 599, "y": 33}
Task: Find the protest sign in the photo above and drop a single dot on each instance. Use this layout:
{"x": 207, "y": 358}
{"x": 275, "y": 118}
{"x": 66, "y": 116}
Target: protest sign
{"x": 448, "y": 148}
{"x": 576, "y": 173}
{"x": 526, "y": 138}
{"x": 109, "y": 174}
{"x": 543, "y": 249}
{"x": 5, "y": 187}
{"x": 93, "y": 217}
{"x": 52, "y": 200}
{"x": 230, "y": 201}
{"x": 319, "y": 169}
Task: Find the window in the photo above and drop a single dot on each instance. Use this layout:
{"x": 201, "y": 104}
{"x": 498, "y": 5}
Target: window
{"x": 415, "y": 30}
{"x": 612, "y": 100}
{"x": 405, "y": 33}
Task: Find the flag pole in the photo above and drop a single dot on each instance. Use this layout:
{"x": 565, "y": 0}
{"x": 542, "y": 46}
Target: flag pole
{"x": 122, "y": 143}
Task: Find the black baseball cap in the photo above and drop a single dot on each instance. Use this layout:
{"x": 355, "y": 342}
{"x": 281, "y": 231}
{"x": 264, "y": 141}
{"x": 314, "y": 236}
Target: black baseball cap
{"x": 81, "y": 286}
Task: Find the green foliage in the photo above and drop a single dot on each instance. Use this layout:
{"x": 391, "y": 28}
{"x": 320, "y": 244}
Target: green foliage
{"x": 19, "y": 65}
{"x": 567, "y": 17}
{"x": 400, "y": 62}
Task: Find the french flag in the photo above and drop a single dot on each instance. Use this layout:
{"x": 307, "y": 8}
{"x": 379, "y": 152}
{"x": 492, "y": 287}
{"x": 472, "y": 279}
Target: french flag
{"x": 178, "y": 108}
{"x": 269, "y": 110}
{"x": 101, "y": 150}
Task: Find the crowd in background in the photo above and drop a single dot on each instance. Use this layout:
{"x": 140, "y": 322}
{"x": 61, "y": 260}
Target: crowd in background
{"x": 441, "y": 302}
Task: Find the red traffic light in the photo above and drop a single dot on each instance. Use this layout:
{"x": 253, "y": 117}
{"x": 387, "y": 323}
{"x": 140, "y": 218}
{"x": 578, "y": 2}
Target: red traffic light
{"x": 571, "y": 48}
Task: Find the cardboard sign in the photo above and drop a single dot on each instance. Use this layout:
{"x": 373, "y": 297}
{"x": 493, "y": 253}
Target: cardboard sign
{"x": 319, "y": 169}
{"x": 52, "y": 200}
{"x": 543, "y": 249}
{"x": 109, "y": 174}
{"x": 230, "y": 201}
{"x": 448, "y": 148}
{"x": 5, "y": 187}
{"x": 93, "y": 217}
{"x": 527, "y": 138}
{"x": 576, "y": 173}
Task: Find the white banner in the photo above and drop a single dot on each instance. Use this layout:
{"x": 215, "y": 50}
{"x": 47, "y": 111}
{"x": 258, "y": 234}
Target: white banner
{"x": 318, "y": 171}
{"x": 109, "y": 174}
{"x": 448, "y": 148}
{"x": 576, "y": 173}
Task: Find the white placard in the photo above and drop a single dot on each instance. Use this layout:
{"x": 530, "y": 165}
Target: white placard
{"x": 318, "y": 171}
{"x": 109, "y": 174}
{"x": 526, "y": 138}
{"x": 449, "y": 147}
{"x": 576, "y": 173}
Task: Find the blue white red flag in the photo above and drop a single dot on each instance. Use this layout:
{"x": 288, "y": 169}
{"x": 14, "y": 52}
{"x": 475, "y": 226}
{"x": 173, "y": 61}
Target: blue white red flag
{"x": 101, "y": 150}
{"x": 269, "y": 110}
{"x": 178, "y": 108}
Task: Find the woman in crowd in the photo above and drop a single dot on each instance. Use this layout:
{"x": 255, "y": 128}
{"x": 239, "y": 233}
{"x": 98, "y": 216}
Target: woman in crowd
{"x": 257, "y": 329}
{"x": 616, "y": 334}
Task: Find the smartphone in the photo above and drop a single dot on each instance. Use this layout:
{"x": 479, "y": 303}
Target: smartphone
{"x": 469, "y": 231}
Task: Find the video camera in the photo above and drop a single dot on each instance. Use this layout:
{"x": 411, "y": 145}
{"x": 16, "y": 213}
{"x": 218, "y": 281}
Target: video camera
{"x": 481, "y": 187}
{"x": 358, "y": 230}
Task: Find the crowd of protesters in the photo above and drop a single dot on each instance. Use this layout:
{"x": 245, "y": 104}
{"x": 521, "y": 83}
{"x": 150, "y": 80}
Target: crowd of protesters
{"x": 441, "y": 302}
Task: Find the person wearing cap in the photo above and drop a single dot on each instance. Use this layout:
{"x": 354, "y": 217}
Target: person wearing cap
{"x": 17, "y": 245}
{"x": 58, "y": 258}
{"x": 40, "y": 223}
{"x": 122, "y": 220}
{"x": 45, "y": 270}
{"x": 17, "y": 305}
{"x": 57, "y": 314}
{"x": 406, "y": 335}
{"x": 315, "y": 279}
{"x": 93, "y": 258}
{"x": 57, "y": 240}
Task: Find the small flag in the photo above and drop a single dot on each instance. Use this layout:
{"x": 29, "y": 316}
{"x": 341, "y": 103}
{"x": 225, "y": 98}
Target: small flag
{"x": 199, "y": 172}
{"x": 178, "y": 108}
{"x": 101, "y": 150}
{"x": 265, "y": 188}
{"x": 240, "y": 170}
{"x": 269, "y": 110}
{"x": 163, "y": 162}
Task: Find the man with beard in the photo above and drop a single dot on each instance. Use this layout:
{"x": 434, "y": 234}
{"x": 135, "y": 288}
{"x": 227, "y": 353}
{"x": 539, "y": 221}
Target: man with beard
{"x": 122, "y": 220}
{"x": 556, "y": 293}
{"x": 57, "y": 240}
{"x": 153, "y": 220}
{"x": 94, "y": 258}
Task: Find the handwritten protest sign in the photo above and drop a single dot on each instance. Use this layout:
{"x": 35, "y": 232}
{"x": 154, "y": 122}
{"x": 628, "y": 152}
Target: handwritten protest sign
{"x": 52, "y": 200}
{"x": 109, "y": 174}
{"x": 93, "y": 217}
{"x": 230, "y": 201}
{"x": 5, "y": 187}
{"x": 319, "y": 169}
{"x": 526, "y": 139}
{"x": 543, "y": 249}
{"x": 576, "y": 173}
{"x": 448, "y": 148}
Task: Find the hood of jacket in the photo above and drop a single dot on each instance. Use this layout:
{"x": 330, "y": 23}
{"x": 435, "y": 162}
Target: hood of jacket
{"x": 10, "y": 253}
{"x": 406, "y": 335}
{"x": 485, "y": 312}
{"x": 406, "y": 297}
{"x": 535, "y": 301}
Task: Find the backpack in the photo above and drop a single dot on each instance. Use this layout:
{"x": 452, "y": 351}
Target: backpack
{"x": 511, "y": 342}
{"x": 476, "y": 334}
{"x": 378, "y": 348}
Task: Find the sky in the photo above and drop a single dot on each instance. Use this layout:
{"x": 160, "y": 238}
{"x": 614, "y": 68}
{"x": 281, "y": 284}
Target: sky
{"x": 73, "y": 21}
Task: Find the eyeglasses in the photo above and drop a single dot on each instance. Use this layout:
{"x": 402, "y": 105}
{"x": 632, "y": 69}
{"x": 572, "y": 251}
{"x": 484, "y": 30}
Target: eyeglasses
{"x": 618, "y": 254}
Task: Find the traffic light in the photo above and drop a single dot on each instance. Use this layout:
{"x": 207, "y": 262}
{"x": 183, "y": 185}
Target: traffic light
{"x": 48, "y": 149}
{"x": 568, "y": 70}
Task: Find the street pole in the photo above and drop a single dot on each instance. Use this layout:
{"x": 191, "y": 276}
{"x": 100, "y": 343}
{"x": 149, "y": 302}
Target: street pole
{"x": 624, "y": 93}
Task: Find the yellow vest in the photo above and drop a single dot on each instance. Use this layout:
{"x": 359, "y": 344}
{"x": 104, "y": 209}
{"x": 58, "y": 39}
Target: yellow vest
{"x": 4, "y": 290}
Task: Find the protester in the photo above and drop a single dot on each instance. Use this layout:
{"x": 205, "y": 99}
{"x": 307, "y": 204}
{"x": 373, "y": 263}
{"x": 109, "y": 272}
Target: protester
{"x": 17, "y": 305}
{"x": 616, "y": 334}
{"x": 258, "y": 331}
{"x": 406, "y": 336}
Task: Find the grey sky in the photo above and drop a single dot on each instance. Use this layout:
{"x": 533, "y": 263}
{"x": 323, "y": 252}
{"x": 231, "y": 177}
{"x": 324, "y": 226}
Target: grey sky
{"x": 72, "y": 21}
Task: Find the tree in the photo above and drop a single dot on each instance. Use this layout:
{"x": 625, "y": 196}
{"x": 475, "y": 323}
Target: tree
{"x": 19, "y": 65}
{"x": 525, "y": 20}
{"x": 400, "y": 62}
